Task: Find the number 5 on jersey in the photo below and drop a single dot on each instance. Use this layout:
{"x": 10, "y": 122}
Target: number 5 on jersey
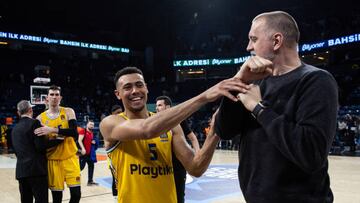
{"x": 153, "y": 153}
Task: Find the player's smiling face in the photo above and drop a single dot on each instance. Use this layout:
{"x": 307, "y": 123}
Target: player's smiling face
{"x": 132, "y": 90}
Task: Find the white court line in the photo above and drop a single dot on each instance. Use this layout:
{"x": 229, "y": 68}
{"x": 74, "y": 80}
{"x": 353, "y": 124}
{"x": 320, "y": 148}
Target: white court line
{"x": 7, "y": 162}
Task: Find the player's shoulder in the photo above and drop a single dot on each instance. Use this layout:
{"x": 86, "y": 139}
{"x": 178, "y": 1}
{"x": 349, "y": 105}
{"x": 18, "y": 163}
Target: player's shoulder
{"x": 80, "y": 130}
{"x": 108, "y": 124}
{"x": 112, "y": 120}
{"x": 70, "y": 113}
{"x": 68, "y": 109}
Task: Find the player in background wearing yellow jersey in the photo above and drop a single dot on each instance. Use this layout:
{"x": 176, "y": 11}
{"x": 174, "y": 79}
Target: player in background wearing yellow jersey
{"x": 141, "y": 143}
{"x": 59, "y": 123}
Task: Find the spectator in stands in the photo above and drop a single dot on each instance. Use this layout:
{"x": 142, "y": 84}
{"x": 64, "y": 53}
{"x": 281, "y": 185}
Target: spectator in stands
{"x": 207, "y": 128}
{"x": 349, "y": 137}
{"x": 88, "y": 144}
{"x": 162, "y": 103}
{"x": 342, "y": 126}
{"x": 3, "y": 137}
{"x": 357, "y": 126}
{"x": 287, "y": 120}
{"x": 63, "y": 164}
{"x": 143, "y": 141}
{"x": 30, "y": 150}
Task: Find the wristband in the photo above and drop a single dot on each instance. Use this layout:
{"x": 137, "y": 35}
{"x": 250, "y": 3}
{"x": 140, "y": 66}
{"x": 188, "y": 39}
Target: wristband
{"x": 258, "y": 109}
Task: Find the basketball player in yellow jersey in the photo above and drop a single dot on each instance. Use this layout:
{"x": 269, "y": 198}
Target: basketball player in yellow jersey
{"x": 140, "y": 143}
{"x": 59, "y": 123}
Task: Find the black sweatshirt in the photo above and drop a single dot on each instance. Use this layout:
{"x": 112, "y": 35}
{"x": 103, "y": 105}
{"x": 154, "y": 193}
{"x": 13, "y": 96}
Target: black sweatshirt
{"x": 283, "y": 153}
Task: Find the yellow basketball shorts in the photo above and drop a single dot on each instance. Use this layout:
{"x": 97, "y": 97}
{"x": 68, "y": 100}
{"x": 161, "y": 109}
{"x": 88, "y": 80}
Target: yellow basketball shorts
{"x": 60, "y": 171}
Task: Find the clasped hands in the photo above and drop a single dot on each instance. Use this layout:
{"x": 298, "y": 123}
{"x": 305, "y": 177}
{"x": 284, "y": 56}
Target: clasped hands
{"x": 48, "y": 131}
{"x": 255, "y": 68}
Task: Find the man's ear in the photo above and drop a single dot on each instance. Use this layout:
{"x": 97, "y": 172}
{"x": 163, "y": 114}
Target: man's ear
{"x": 117, "y": 94}
{"x": 278, "y": 40}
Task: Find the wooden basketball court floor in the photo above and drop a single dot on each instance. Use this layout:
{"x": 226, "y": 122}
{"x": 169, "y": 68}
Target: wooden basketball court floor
{"x": 220, "y": 177}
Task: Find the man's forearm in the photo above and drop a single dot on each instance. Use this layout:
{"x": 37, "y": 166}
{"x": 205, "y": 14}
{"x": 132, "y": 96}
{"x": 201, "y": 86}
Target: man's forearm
{"x": 203, "y": 157}
{"x": 81, "y": 144}
{"x": 71, "y": 131}
{"x": 68, "y": 132}
{"x": 169, "y": 118}
{"x": 194, "y": 141}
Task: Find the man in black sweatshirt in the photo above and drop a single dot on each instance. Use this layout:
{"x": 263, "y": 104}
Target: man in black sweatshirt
{"x": 286, "y": 121}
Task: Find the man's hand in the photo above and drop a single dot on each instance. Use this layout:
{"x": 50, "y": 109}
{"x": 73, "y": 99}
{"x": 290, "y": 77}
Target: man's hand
{"x": 83, "y": 151}
{"x": 255, "y": 68}
{"x": 45, "y": 130}
{"x": 224, "y": 88}
{"x": 251, "y": 97}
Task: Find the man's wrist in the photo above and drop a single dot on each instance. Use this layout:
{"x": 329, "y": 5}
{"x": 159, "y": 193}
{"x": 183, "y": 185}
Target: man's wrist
{"x": 253, "y": 106}
{"x": 258, "y": 109}
{"x": 239, "y": 76}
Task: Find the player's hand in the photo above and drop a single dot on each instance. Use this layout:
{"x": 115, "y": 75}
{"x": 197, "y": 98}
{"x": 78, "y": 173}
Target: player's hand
{"x": 44, "y": 130}
{"x": 255, "y": 68}
{"x": 251, "y": 97}
{"x": 225, "y": 88}
{"x": 83, "y": 151}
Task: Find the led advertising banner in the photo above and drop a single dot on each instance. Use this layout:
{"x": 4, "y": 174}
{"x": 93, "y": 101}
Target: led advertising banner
{"x": 303, "y": 48}
{"x": 331, "y": 42}
{"x": 210, "y": 62}
{"x": 45, "y": 40}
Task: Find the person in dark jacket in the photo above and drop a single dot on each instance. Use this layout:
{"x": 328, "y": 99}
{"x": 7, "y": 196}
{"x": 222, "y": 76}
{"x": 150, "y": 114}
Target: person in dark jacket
{"x": 30, "y": 150}
{"x": 286, "y": 120}
{"x": 163, "y": 103}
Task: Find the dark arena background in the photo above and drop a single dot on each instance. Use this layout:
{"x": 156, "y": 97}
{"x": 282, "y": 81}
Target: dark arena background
{"x": 183, "y": 47}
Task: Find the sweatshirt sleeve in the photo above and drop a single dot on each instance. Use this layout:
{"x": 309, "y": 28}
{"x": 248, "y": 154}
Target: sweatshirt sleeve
{"x": 306, "y": 139}
{"x": 231, "y": 118}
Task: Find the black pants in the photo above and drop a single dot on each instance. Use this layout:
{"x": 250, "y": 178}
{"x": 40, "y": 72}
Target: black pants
{"x": 75, "y": 195}
{"x": 180, "y": 180}
{"x": 36, "y": 187}
{"x": 113, "y": 186}
{"x": 86, "y": 159}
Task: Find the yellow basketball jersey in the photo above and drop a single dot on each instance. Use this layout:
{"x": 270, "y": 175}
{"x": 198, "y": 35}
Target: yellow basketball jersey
{"x": 143, "y": 170}
{"x": 68, "y": 147}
